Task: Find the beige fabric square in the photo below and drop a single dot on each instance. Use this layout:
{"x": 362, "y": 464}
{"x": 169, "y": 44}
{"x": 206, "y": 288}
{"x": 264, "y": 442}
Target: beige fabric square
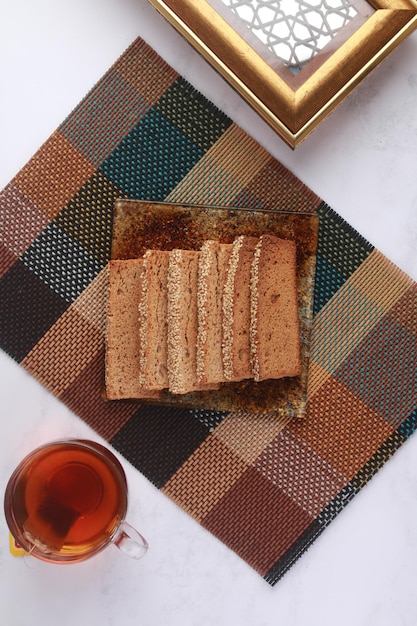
{"x": 247, "y": 435}
{"x": 221, "y": 162}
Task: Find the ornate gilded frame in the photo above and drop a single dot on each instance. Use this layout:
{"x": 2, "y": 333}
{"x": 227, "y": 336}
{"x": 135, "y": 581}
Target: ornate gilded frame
{"x": 292, "y": 111}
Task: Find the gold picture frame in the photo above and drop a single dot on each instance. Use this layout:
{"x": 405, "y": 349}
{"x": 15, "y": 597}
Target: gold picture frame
{"x": 293, "y": 108}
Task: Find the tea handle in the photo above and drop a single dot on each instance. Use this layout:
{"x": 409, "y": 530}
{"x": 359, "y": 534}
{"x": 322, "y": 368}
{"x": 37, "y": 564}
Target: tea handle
{"x": 130, "y": 542}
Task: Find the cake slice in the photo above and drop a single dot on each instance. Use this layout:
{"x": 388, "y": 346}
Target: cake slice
{"x": 122, "y": 332}
{"x": 274, "y": 328}
{"x": 213, "y": 263}
{"x": 236, "y": 310}
{"x": 182, "y": 320}
{"x": 153, "y": 320}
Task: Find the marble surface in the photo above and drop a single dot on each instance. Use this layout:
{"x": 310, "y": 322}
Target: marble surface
{"x": 362, "y": 161}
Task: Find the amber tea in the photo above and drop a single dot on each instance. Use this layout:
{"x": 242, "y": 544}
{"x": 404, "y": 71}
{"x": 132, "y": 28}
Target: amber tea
{"x": 66, "y": 500}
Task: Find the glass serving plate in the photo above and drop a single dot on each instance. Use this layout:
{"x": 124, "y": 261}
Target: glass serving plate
{"x": 140, "y": 225}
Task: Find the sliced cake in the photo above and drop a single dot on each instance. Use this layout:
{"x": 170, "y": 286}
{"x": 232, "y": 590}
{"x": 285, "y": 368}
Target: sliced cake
{"x": 153, "y": 320}
{"x": 182, "y": 320}
{"x": 274, "y": 328}
{"x": 213, "y": 263}
{"x": 122, "y": 332}
{"x": 236, "y": 310}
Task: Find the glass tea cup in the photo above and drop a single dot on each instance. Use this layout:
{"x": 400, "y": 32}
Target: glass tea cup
{"x": 67, "y": 500}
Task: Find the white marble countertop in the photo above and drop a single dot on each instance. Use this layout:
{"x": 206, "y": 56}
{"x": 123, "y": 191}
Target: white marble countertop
{"x": 363, "y": 161}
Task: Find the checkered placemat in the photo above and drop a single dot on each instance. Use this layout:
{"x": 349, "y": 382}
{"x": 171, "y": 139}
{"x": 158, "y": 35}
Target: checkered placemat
{"x": 264, "y": 487}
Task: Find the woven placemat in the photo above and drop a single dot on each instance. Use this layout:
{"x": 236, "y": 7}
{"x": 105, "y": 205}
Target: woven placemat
{"x": 264, "y": 487}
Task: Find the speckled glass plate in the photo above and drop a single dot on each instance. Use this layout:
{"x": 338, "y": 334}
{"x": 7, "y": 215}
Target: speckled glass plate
{"x": 139, "y": 225}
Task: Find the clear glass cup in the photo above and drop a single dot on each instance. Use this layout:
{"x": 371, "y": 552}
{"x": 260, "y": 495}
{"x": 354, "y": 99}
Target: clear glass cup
{"x": 67, "y": 500}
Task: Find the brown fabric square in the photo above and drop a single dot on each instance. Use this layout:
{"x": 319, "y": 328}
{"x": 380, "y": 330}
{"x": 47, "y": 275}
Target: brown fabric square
{"x": 154, "y": 77}
{"x": 257, "y": 520}
{"x": 283, "y": 192}
{"x": 20, "y": 220}
{"x": 341, "y": 428}
{"x": 53, "y": 175}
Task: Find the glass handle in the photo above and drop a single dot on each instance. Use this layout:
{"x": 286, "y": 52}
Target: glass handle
{"x": 130, "y": 542}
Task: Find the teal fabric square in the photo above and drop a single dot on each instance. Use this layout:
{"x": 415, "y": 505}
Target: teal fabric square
{"x": 144, "y": 165}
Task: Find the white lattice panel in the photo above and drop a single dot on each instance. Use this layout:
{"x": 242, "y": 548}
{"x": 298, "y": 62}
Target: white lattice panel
{"x": 294, "y": 30}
